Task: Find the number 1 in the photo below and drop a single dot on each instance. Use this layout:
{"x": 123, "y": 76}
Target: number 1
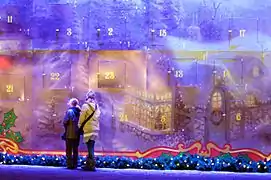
{"x": 9, "y": 19}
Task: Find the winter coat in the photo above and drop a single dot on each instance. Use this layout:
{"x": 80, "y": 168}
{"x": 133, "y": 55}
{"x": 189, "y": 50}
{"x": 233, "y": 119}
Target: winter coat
{"x": 92, "y": 127}
{"x": 70, "y": 122}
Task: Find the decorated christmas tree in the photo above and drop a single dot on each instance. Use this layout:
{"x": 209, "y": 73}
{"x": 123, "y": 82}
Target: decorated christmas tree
{"x": 5, "y": 128}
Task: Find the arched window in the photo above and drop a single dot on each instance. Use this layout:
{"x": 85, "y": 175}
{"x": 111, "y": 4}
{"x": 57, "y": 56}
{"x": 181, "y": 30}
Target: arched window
{"x": 250, "y": 100}
{"x": 216, "y": 101}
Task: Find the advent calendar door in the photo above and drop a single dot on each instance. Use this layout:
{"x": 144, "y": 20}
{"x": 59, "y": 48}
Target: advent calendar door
{"x": 245, "y": 29}
{"x": 58, "y": 73}
{"x": 112, "y": 74}
{"x": 12, "y": 87}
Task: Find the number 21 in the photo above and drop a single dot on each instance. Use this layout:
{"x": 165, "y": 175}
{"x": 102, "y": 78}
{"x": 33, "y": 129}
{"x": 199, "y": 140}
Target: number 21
{"x": 9, "y": 88}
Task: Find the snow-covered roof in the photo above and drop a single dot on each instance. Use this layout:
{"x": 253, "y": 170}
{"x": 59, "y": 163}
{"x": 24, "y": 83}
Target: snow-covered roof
{"x": 250, "y": 42}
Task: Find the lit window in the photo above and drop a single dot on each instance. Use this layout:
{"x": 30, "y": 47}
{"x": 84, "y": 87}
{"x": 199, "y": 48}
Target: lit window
{"x": 216, "y": 100}
{"x": 256, "y": 71}
{"x": 250, "y": 100}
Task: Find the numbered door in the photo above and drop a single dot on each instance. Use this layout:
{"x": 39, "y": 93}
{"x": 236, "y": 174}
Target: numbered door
{"x": 111, "y": 74}
{"x": 217, "y": 124}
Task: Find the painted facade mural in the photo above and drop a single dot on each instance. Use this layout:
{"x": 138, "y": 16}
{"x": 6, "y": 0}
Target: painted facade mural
{"x": 198, "y": 77}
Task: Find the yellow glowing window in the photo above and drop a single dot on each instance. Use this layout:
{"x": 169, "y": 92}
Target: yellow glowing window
{"x": 216, "y": 100}
{"x": 250, "y": 100}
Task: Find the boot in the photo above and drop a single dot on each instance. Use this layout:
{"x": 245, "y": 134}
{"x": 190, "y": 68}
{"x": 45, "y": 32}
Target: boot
{"x": 69, "y": 163}
{"x": 90, "y": 165}
{"x": 75, "y": 162}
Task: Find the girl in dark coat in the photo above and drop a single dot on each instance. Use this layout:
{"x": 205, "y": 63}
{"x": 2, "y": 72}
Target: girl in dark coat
{"x": 71, "y": 133}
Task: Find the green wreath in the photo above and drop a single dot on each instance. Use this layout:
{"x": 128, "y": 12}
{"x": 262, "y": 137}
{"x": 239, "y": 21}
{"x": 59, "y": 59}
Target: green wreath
{"x": 216, "y": 117}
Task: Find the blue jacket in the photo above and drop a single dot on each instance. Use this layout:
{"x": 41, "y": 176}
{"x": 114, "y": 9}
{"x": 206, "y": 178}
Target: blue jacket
{"x": 71, "y": 122}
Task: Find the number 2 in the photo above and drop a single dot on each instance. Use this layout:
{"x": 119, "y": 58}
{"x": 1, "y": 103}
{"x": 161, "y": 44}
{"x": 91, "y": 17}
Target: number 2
{"x": 110, "y": 31}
